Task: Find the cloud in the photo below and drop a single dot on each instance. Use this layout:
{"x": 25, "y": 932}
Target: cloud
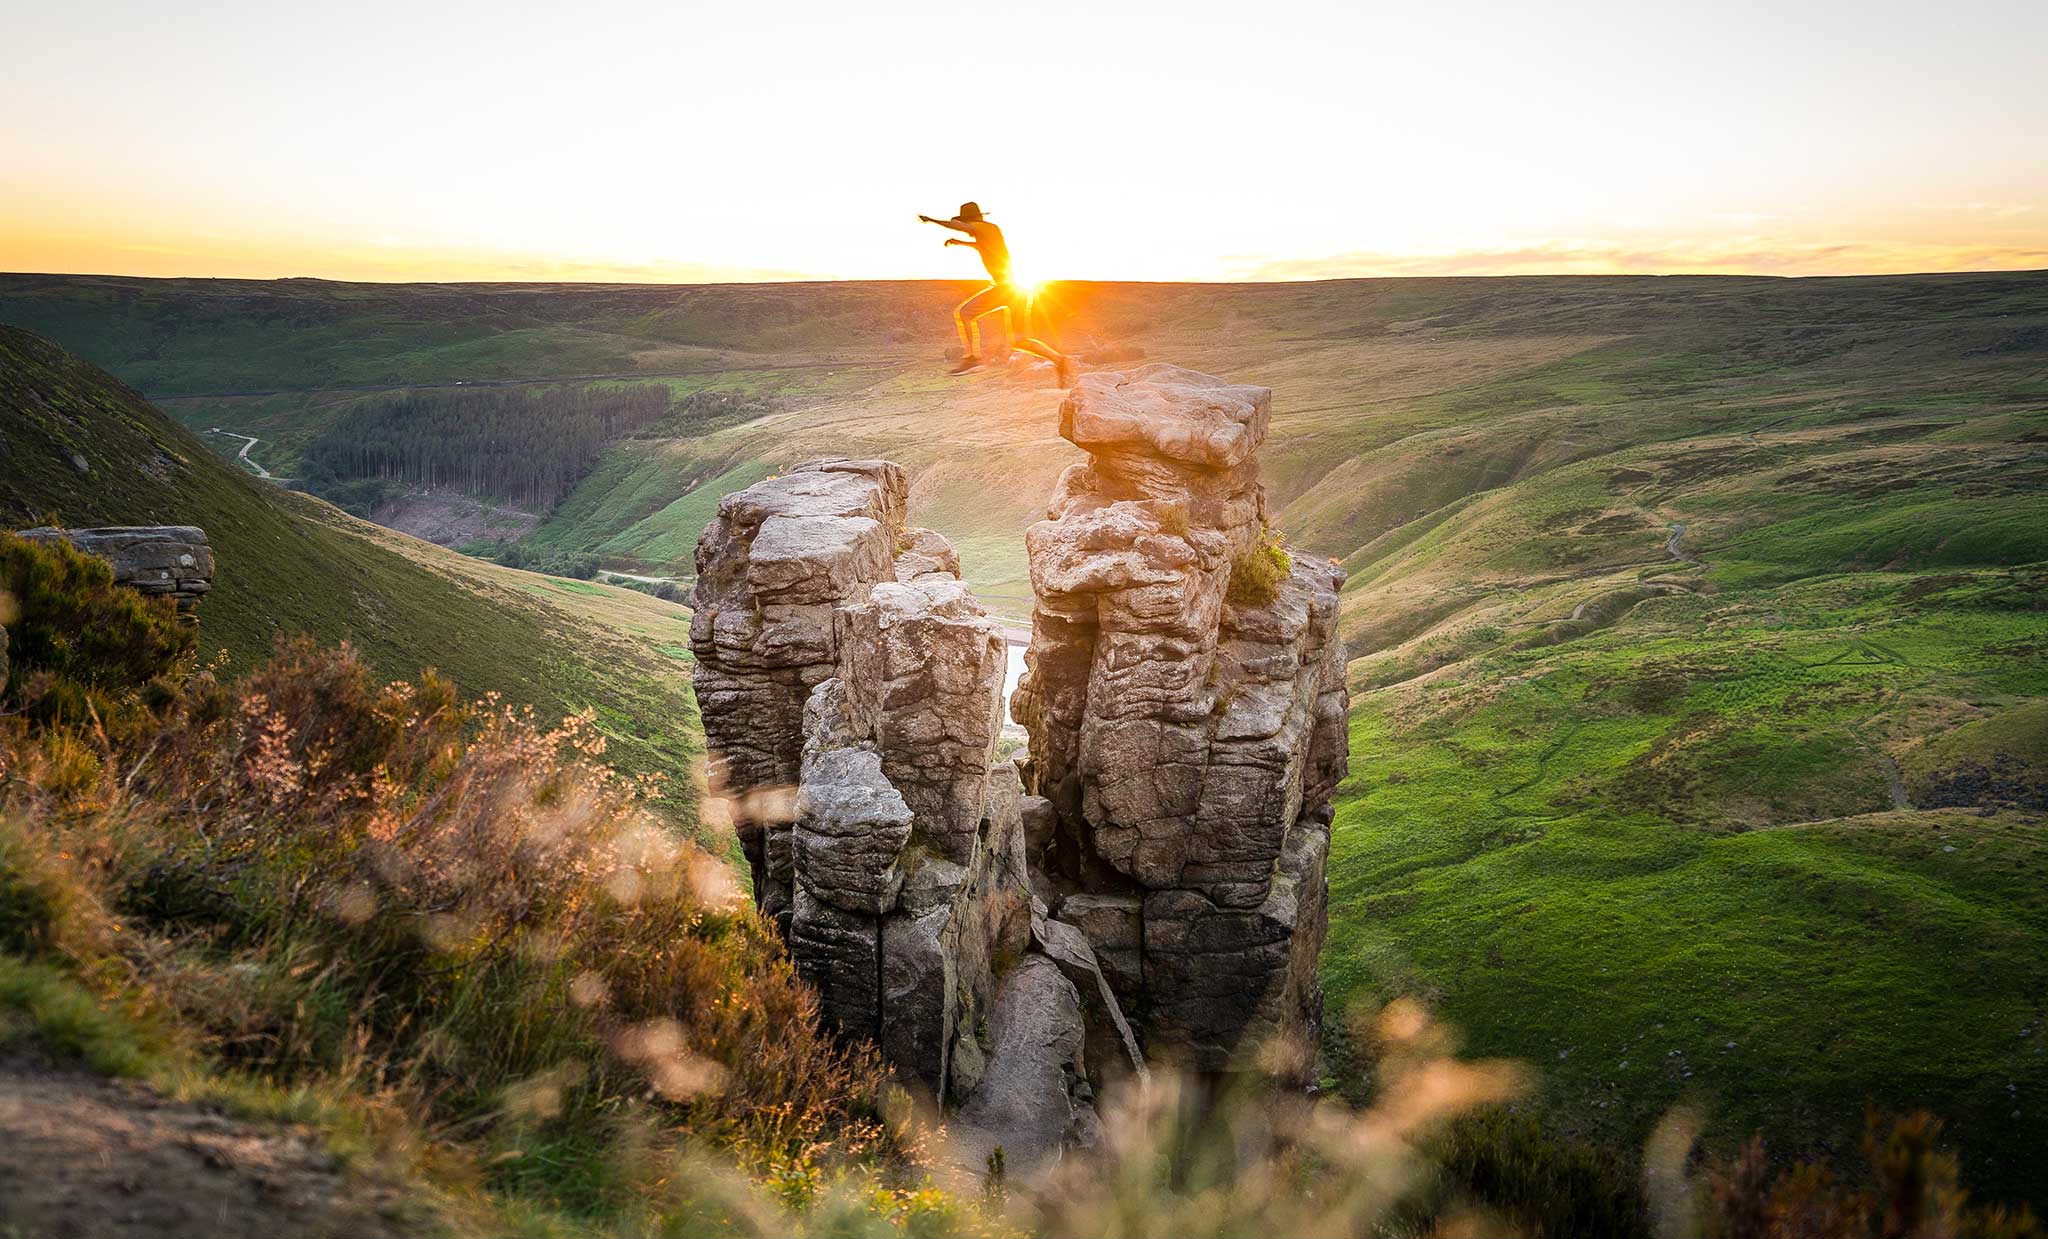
{"x": 1740, "y": 256}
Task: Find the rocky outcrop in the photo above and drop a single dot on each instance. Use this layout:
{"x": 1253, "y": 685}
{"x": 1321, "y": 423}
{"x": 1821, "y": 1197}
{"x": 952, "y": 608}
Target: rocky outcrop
{"x": 772, "y": 569}
{"x": 851, "y": 689}
{"x": 1148, "y": 882}
{"x": 1185, "y": 700}
{"x": 151, "y": 559}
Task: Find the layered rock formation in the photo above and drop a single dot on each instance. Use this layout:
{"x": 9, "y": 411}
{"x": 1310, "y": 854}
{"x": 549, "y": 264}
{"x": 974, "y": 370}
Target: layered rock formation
{"x": 1148, "y": 882}
{"x": 1185, "y": 699}
{"x": 851, "y": 689}
{"x": 151, "y": 559}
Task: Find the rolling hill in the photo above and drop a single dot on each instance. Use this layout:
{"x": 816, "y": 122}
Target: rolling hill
{"x": 82, "y": 449}
{"x": 1697, "y": 623}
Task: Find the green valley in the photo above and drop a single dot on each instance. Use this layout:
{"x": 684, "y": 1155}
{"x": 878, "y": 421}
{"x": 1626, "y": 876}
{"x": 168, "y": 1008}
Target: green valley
{"x": 1697, "y": 625}
{"x": 84, "y": 450}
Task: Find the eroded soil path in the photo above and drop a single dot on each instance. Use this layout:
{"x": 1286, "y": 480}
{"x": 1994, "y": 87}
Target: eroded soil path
{"x": 82, "y": 1157}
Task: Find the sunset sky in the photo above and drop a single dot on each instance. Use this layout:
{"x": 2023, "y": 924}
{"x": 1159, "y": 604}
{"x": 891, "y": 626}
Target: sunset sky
{"x": 646, "y": 140}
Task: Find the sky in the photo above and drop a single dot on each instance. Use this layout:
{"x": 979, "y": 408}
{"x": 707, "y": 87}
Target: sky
{"x": 667, "y": 141}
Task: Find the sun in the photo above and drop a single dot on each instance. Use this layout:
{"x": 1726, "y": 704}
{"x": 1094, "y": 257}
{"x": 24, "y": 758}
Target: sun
{"x": 1029, "y": 285}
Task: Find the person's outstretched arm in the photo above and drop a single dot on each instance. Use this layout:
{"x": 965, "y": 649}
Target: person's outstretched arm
{"x": 946, "y": 223}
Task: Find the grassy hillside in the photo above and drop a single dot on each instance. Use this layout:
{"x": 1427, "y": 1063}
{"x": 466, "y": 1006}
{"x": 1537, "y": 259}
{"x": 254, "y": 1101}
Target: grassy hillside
{"x": 1397, "y": 398}
{"x": 291, "y": 564}
{"x": 186, "y": 337}
{"x": 1697, "y": 622}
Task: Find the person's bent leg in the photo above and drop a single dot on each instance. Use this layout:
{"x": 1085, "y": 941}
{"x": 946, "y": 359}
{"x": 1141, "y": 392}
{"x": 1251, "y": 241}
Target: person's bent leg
{"x": 1062, "y": 365}
{"x": 1009, "y": 333}
{"x": 1021, "y": 313}
{"x": 964, "y": 316}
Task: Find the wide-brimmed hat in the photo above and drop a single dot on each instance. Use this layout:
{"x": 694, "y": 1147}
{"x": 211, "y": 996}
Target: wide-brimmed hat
{"x": 970, "y": 211}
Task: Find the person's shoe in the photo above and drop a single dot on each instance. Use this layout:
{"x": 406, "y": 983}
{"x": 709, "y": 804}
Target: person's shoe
{"x": 1066, "y": 371}
{"x": 970, "y": 362}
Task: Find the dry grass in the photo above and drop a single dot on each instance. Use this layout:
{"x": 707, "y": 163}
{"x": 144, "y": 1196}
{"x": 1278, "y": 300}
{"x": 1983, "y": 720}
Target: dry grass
{"x": 1256, "y": 574}
{"x": 449, "y": 934}
{"x": 310, "y": 878}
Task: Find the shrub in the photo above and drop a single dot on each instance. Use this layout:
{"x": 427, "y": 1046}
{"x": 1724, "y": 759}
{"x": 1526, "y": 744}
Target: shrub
{"x": 1256, "y": 574}
{"x": 1547, "y": 1184}
{"x": 1909, "y": 1188}
{"x": 319, "y": 878}
{"x": 579, "y": 565}
{"x": 80, "y": 646}
{"x": 667, "y": 591}
{"x": 1172, "y": 518}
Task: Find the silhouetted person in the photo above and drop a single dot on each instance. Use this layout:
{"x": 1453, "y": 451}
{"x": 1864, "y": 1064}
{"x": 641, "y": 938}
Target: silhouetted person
{"x": 1001, "y": 294}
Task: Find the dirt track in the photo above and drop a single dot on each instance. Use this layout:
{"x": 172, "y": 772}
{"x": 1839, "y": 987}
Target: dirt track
{"x": 82, "y": 1157}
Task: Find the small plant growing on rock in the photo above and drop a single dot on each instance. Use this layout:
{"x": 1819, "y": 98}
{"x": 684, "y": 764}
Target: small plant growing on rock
{"x": 1255, "y": 575}
{"x": 1173, "y": 519}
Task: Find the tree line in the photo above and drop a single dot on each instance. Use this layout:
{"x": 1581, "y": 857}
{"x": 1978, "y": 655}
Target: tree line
{"x": 525, "y": 446}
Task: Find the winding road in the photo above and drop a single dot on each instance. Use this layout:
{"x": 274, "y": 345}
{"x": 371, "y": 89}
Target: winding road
{"x": 243, "y": 455}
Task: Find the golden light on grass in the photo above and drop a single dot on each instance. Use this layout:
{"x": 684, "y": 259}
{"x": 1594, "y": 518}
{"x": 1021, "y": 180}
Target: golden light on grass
{"x": 659, "y": 1048}
{"x": 1180, "y": 1158}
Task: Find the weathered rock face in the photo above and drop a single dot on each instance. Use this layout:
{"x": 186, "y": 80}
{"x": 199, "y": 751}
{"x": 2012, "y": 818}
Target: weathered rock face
{"x": 923, "y": 664}
{"x": 1187, "y": 734}
{"x": 1149, "y": 882}
{"x": 150, "y": 559}
{"x": 1032, "y": 1103}
{"x": 851, "y": 688}
{"x": 778, "y": 560}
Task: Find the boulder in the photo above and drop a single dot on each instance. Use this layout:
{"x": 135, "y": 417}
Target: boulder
{"x": 1026, "y": 1103}
{"x": 926, "y": 552}
{"x": 175, "y": 560}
